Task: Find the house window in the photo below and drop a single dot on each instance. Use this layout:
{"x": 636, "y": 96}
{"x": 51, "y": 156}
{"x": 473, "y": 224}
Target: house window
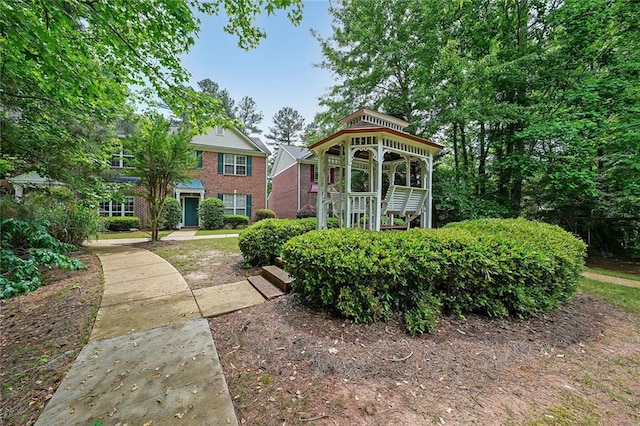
{"x": 219, "y": 131}
{"x": 114, "y": 208}
{"x": 235, "y": 203}
{"x": 198, "y": 155}
{"x": 121, "y": 159}
{"x": 235, "y": 164}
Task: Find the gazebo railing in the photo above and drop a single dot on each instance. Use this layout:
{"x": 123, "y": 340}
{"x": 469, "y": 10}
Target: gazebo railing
{"x": 362, "y": 209}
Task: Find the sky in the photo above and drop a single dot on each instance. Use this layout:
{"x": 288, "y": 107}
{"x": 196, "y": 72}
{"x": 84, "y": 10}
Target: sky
{"x": 280, "y": 72}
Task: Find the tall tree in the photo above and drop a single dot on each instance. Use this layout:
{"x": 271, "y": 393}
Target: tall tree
{"x": 212, "y": 89}
{"x": 161, "y": 158}
{"x": 288, "y": 124}
{"x": 246, "y": 111}
{"x": 65, "y": 67}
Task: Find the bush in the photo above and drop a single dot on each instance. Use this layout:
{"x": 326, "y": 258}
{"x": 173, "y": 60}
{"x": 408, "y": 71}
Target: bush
{"x": 66, "y": 219}
{"x": 26, "y": 246}
{"x": 306, "y": 211}
{"x": 262, "y": 242}
{"x": 73, "y": 224}
{"x": 491, "y": 267}
{"x": 121, "y": 223}
{"x": 170, "y": 215}
{"x": 265, "y": 214}
{"x": 211, "y": 213}
{"x": 235, "y": 220}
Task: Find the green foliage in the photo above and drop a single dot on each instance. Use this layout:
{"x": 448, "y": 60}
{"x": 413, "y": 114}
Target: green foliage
{"x": 121, "y": 223}
{"x": 26, "y": 247}
{"x": 211, "y": 213}
{"x": 262, "y": 242}
{"x": 235, "y": 220}
{"x": 67, "y": 219}
{"x": 265, "y": 214}
{"x": 537, "y": 103}
{"x": 170, "y": 215}
{"x": 423, "y": 317}
{"x": 491, "y": 267}
{"x": 161, "y": 158}
{"x": 287, "y": 126}
{"x": 307, "y": 210}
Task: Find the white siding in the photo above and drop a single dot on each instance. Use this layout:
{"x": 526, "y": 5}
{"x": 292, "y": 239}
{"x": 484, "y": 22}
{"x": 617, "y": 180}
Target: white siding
{"x": 230, "y": 140}
{"x": 283, "y": 161}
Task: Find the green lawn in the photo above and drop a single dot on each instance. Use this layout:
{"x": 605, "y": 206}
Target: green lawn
{"x": 136, "y": 234}
{"x": 218, "y": 231}
{"x": 616, "y": 274}
{"x": 628, "y": 298}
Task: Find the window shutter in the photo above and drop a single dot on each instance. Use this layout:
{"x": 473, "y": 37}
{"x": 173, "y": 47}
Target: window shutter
{"x": 221, "y": 196}
{"x": 332, "y": 175}
{"x": 249, "y": 165}
{"x": 220, "y": 163}
{"x": 199, "y": 155}
{"x": 312, "y": 175}
{"x": 249, "y": 206}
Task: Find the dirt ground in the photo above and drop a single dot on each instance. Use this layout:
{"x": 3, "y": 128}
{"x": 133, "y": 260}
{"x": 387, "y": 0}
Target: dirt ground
{"x": 41, "y": 334}
{"x": 286, "y": 364}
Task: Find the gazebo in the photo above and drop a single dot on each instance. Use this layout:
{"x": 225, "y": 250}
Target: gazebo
{"x": 393, "y": 170}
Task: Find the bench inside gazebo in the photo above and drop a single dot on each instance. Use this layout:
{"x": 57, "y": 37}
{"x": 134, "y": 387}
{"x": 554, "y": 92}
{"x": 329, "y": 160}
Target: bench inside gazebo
{"x": 394, "y": 169}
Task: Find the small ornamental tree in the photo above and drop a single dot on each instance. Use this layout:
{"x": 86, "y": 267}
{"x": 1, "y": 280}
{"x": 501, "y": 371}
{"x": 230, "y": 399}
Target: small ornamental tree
{"x": 160, "y": 158}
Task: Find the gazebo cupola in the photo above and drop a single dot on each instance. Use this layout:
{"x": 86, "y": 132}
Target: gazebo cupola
{"x": 381, "y": 172}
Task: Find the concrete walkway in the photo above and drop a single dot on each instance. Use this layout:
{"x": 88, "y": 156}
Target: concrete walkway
{"x": 151, "y": 358}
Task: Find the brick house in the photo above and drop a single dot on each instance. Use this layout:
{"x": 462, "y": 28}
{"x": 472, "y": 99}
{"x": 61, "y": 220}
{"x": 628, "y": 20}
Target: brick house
{"x": 231, "y": 166}
{"x": 294, "y": 180}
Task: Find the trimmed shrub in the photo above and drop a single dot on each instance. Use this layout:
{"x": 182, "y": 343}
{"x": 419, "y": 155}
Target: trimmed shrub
{"x": 307, "y": 210}
{"x": 235, "y": 220}
{"x": 262, "y": 242}
{"x": 211, "y": 213}
{"x": 491, "y": 267}
{"x": 265, "y": 214}
{"x": 170, "y": 215}
{"x": 121, "y": 223}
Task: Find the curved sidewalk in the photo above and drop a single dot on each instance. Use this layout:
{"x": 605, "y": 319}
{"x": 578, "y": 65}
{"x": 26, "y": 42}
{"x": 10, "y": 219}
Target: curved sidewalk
{"x": 150, "y": 359}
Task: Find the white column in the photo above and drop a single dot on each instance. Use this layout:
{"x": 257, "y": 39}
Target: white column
{"x": 320, "y": 213}
{"x": 378, "y": 207}
{"x": 430, "y": 193}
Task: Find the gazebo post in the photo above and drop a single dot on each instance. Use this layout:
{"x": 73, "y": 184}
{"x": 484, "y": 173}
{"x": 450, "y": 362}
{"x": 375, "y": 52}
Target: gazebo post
{"x": 378, "y": 209}
{"x": 430, "y": 188}
{"x": 346, "y": 202}
{"x": 322, "y": 190}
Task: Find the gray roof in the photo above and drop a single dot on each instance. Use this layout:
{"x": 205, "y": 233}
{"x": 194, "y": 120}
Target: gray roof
{"x": 297, "y": 152}
{"x": 261, "y": 146}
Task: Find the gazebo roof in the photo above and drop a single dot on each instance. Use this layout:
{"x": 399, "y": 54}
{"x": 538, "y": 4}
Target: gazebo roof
{"x": 367, "y": 130}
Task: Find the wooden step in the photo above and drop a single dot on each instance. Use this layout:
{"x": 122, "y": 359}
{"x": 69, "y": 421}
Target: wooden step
{"x": 277, "y": 277}
{"x": 279, "y": 262}
{"x": 264, "y": 287}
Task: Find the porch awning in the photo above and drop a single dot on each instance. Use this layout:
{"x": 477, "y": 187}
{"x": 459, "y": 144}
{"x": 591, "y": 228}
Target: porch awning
{"x": 194, "y": 184}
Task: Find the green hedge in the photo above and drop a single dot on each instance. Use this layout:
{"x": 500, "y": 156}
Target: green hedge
{"x": 491, "y": 267}
{"x": 211, "y": 213}
{"x": 121, "y": 223}
{"x": 170, "y": 215}
{"x": 235, "y": 220}
{"x": 262, "y": 242}
{"x": 262, "y": 214}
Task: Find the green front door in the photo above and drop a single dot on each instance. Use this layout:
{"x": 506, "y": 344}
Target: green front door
{"x": 191, "y": 211}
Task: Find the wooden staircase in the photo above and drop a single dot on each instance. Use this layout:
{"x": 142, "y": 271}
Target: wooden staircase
{"x": 273, "y": 281}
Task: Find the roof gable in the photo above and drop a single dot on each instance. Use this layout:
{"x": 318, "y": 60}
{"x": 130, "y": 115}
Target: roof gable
{"x": 230, "y": 140}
